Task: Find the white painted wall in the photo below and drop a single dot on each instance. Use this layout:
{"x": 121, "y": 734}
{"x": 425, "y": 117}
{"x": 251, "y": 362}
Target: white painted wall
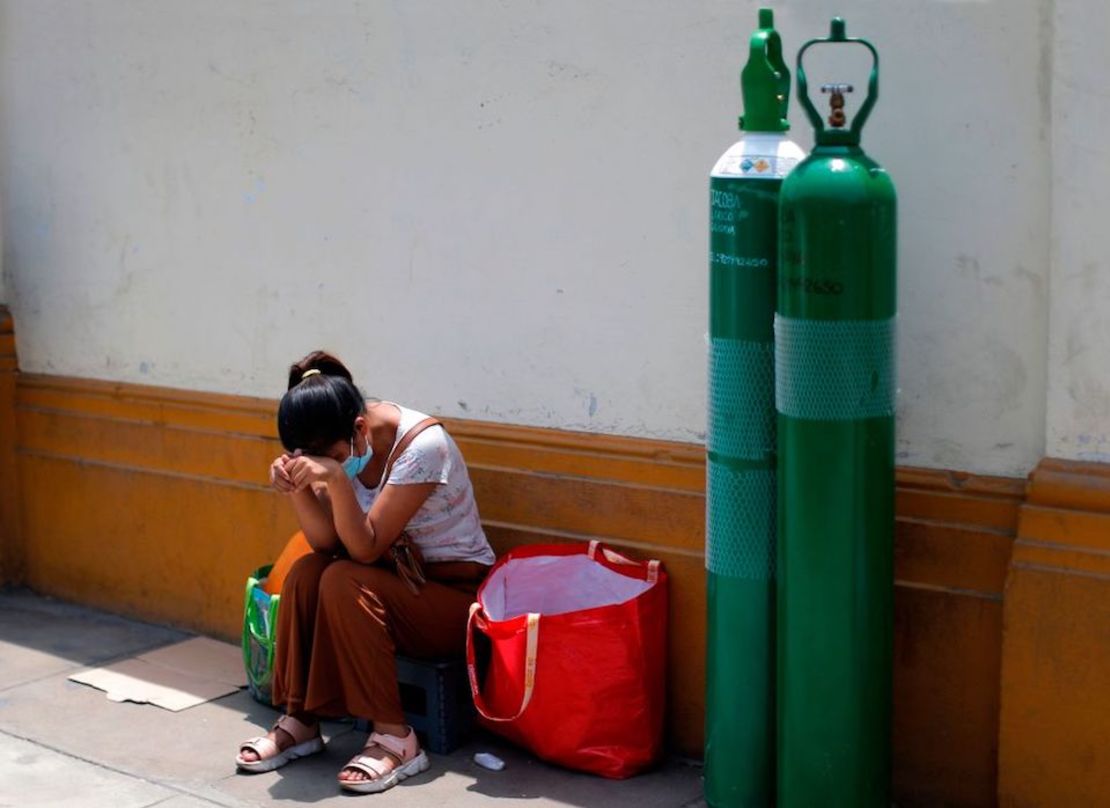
{"x": 1079, "y": 347}
{"x": 497, "y": 210}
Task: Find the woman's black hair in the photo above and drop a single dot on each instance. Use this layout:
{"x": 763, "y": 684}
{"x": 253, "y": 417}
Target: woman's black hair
{"x": 319, "y": 408}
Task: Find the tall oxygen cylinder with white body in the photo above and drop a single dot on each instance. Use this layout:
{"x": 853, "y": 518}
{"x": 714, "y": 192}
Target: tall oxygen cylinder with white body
{"x": 740, "y": 487}
{"x": 835, "y": 389}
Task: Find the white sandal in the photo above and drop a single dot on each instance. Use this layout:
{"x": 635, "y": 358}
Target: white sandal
{"x": 405, "y": 760}
{"x": 306, "y": 741}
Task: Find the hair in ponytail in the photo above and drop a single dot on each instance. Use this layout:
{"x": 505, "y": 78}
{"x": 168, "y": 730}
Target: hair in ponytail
{"x": 320, "y": 405}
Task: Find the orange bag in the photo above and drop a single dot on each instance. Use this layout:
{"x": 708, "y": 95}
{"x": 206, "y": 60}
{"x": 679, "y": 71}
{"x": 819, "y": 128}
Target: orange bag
{"x": 296, "y": 547}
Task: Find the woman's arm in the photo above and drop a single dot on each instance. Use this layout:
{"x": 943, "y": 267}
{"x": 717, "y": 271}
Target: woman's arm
{"x": 314, "y": 514}
{"x": 310, "y": 503}
{"x": 365, "y": 535}
{"x": 368, "y": 536}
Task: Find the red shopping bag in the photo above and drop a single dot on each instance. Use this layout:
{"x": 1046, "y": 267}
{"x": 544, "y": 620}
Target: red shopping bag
{"x": 578, "y": 637}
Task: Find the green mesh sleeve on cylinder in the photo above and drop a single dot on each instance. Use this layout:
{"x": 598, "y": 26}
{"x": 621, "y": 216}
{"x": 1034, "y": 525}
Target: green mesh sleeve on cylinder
{"x": 740, "y": 487}
{"x": 740, "y": 530}
{"x": 834, "y": 370}
{"x": 741, "y": 398}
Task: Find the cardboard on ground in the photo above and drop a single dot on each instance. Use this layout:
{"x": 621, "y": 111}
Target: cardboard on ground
{"x": 175, "y": 677}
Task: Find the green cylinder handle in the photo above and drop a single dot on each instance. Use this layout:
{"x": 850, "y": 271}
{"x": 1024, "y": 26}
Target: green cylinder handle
{"x": 765, "y": 80}
{"x": 838, "y": 136}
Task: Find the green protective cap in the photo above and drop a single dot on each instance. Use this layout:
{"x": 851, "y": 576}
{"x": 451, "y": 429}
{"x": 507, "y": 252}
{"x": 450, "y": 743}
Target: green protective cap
{"x": 765, "y": 81}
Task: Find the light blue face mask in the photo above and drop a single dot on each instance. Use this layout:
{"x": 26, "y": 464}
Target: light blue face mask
{"x": 354, "y": 464}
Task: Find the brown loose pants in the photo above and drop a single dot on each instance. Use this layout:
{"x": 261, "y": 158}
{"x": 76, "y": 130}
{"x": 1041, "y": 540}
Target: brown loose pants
{"x": 340, "y": 624}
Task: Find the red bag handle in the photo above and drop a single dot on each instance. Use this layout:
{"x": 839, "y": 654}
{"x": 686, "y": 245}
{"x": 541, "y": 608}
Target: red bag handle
{"x": 530, "y": 646}
{"x": 613, "y": 557}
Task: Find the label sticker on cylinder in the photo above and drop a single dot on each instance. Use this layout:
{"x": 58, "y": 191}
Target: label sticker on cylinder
{"x": 755, "y": 166}
{"x": 835, "y": 370}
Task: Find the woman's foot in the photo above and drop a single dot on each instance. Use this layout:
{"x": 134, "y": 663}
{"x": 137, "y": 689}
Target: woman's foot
{"x": 386, "y": 760}
{"x": 288, "y": 740}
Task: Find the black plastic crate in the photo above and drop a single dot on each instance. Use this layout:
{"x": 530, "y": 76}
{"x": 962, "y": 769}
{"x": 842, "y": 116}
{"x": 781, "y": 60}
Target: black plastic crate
{"x": 435, "y": 696}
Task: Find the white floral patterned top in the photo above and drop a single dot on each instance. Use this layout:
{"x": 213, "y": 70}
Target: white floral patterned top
{"x": 446, "y": 528}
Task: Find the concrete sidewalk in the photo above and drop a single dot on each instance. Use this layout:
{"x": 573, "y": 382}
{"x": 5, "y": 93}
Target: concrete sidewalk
{"x": 65, "y": 744}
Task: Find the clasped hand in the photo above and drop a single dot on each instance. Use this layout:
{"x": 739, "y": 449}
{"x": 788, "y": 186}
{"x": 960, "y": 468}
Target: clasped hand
{"x": 294, "y": 472}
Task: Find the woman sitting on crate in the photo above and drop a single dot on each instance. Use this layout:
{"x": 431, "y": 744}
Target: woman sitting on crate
{"x": 376, "y": 486}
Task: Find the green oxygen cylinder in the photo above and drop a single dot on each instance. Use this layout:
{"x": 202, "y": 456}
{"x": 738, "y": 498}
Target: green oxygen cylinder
{"x": 835, "y": 386}
{"x": 740, "y": 485}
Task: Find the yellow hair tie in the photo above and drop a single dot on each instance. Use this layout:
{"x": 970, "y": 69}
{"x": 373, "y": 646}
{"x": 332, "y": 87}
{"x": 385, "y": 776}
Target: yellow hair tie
{"x": 311, "y": 372}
